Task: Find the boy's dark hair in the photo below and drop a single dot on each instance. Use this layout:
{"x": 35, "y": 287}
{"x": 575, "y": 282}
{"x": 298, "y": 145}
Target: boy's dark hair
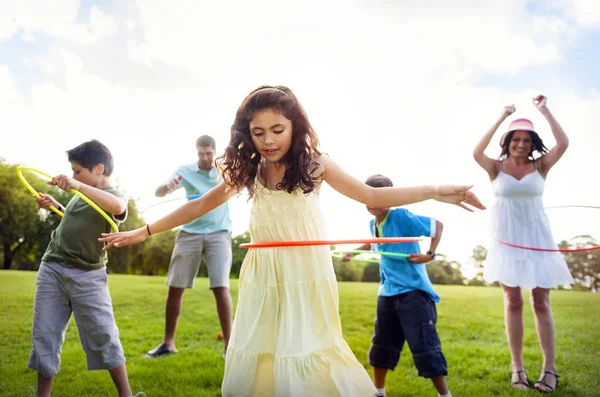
{"x": 91, "y": 153}
{"x": 240, "y": 162}
{"x": 379, "y": 180}
{"x": 206, "y": 141}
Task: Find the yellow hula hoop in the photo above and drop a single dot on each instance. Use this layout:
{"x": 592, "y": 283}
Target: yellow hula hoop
{"x": 76, "y": 192}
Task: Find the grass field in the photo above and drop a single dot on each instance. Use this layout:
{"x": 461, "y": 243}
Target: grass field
{"x": 470, "y": 326}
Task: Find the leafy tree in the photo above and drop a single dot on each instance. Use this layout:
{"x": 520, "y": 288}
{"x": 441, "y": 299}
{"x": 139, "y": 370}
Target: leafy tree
{"x": 238, "y": 254}
{"x": 121, "y": 260}
{"x": 478, "y": 261}
{"x": 371, "y": 273}
{"x": 584, "y": 265}
{"x": 442, "y": 271}
{"x": 24, "y": 228}
{"x": 153, "y": 255}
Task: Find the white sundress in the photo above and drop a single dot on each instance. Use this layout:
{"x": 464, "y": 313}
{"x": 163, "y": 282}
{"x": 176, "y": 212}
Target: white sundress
{"x": 518, "y": 217}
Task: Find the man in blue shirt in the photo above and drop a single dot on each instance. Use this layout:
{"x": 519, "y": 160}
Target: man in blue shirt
{"x": 209, "y": 235}
{"x": 406, "y": 308}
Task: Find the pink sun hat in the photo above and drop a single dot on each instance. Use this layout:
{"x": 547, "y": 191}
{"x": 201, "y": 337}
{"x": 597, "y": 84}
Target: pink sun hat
{"x": 518, "y": 125}
{"x": 521, "y": 125}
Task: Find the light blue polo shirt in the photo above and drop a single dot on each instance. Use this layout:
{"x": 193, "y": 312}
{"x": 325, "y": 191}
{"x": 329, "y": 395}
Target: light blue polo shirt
{"x": 196, "y": 181}
{"x": 398, "y": 275}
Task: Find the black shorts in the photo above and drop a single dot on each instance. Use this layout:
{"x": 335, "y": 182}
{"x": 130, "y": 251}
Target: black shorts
{"x": 409, "y": 317}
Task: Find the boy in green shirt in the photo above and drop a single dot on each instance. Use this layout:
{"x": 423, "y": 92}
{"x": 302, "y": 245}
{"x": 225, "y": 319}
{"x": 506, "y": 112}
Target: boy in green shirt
{"x": 72, "y": 277}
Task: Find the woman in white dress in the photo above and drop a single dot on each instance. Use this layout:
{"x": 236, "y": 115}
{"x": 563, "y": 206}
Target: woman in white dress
{"x": 518, "y": 217}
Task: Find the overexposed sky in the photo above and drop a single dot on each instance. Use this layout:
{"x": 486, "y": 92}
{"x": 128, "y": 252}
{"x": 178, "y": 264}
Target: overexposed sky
{"x": 404, "y": 90}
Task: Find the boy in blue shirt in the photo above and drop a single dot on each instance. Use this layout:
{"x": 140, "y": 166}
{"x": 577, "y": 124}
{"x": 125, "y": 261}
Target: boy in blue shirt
{"x": 406, "y": 308}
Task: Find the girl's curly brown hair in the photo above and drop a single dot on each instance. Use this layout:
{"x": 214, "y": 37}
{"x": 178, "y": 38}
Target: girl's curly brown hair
{"x": 240, "y": 161}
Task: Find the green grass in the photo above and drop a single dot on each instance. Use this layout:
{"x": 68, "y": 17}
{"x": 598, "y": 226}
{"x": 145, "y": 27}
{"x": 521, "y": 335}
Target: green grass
{"x": 470, "y": 325}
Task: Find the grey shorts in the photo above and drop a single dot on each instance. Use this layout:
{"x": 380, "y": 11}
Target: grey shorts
{"x": 187, "y": 255}
{"x": 61, "y": 291}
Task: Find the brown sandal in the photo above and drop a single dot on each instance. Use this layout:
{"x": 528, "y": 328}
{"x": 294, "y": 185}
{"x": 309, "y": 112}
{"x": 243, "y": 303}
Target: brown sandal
{"x": 521, "y": 380}
{"x": 543, "y": 382}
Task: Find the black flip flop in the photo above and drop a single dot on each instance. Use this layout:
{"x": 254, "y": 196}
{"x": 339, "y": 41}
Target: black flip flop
{"x": 161, "y": 350}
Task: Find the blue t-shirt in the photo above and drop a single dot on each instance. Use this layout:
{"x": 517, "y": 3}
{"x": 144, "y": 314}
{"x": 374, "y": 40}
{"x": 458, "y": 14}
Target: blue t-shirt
{"x": 398, "y": 275}
{"x": 196, "y": 181}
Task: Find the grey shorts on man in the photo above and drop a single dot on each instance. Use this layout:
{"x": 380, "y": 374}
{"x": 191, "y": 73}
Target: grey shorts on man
{"x": 187, "y": 256}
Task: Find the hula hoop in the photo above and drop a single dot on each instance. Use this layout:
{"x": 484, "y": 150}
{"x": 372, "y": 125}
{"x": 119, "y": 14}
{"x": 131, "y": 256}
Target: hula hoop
{"x": 381, "y": 240}
{"x": 580, "y": 249}
{"x": 395, "y": 254}
{"x": 524, "y": 247}
{"x": 573, "y": 206}
{"x": 190, "y": 197}
{"x": 76, "y": 192}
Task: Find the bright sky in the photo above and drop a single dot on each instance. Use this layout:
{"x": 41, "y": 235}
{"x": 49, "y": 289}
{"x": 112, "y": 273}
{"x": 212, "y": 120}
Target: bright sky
{"x": 400, "y": 89}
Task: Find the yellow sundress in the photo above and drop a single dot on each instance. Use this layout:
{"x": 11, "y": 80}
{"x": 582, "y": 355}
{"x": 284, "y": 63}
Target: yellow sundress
{"x": 287, "y": 336}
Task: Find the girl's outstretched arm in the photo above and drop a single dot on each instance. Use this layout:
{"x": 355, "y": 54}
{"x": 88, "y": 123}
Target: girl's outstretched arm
{"x": 484, "y": 161}
{"x": 562, "y": 141}
{"x": 188, "y": 212}
{"x": 385, "y": 197}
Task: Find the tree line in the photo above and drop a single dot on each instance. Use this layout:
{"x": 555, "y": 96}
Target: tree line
{"x": 25, "y": 233}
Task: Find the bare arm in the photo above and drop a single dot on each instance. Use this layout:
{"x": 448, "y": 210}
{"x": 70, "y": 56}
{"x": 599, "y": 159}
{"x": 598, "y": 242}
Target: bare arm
{"x": 488, "y": 164}
{"x": 107, "y": 201}
{"x": 189, "y": 211}
{"x": 394, "y": 196}
{"x": 168, "y": 187}
{"x": 435, "y": 241}
{"x": 349, "y": 255}
{"x": 562, "y": 141}
{"x": 161, "y": 191}
{"x": 45, "y": 201}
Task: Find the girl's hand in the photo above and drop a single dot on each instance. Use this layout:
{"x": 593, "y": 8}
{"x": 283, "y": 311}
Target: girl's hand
{"x": 123, "y": 239}
{"x": 508, "y": 110}
{"x": 457, "y": 195}
{"x": 45, "y": 201}
{"x": 540, "y": 102}
{"x": 64, "y": 182}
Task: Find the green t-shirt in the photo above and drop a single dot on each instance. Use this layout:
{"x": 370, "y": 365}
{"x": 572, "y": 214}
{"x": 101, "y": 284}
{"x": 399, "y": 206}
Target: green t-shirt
{"x": 74, "y": 242}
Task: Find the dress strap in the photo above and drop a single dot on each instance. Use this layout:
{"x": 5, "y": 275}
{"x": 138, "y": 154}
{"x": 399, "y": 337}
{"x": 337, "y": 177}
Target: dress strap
{"x": 535, "y": 163}
{"x": 501, "y": 163}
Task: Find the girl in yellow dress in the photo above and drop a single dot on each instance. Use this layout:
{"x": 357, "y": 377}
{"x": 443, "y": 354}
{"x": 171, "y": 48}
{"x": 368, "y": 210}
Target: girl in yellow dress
{"x": 287, "y": 337}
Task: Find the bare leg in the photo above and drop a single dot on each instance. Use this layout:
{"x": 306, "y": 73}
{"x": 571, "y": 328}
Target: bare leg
{"x": 44, "y": 385}
{"x": 544, "y": 323}
{"x": 225, "y": 311}
{"x": 440, "y": 384}
{"x": 172, "y": 312}
{"x": 119, "y": 377}
{"x": 379, "y": 375}
{"x": 513, "y": 322}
